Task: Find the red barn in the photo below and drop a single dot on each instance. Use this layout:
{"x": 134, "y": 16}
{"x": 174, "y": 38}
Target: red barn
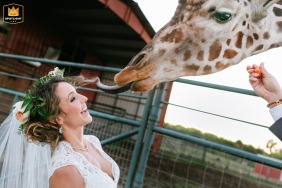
{"x": 267, "y": 171}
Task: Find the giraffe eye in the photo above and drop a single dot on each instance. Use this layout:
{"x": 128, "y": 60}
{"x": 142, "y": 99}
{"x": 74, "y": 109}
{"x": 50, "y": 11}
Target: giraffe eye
{"x": 222, "y": 17}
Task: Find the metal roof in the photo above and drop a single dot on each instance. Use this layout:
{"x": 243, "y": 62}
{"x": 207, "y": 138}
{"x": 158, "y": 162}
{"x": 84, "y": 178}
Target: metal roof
{"x": 113, "y": 30}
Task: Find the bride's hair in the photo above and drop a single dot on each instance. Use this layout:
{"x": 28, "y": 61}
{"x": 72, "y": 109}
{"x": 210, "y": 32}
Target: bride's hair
{"x": 44, "y": 129}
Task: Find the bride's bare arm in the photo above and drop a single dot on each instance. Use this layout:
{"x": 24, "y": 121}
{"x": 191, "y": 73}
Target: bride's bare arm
{"x": 67, "y": 176}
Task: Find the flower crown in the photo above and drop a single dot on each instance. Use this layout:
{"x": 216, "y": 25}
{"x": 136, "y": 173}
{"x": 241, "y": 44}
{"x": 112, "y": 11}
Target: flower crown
{"x": 33, "y": 105}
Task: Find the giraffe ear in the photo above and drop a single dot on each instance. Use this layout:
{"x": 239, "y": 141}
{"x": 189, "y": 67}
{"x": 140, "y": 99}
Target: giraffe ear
{"x": 259, "y": 8}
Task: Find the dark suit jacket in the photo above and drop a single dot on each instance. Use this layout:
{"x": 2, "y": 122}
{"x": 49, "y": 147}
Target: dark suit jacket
{"x": 276, "y": 128}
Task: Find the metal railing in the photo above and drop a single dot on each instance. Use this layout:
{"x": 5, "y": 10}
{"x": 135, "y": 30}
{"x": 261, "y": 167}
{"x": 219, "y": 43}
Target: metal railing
{"x": 145, "y": 129}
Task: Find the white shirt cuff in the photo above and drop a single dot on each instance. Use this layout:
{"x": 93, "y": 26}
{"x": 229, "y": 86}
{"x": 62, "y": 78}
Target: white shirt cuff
{"x": 276, "y": 112}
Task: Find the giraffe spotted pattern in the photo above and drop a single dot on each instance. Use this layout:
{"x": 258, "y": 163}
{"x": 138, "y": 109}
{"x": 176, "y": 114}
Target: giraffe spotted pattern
{"x": 204, "y": 37}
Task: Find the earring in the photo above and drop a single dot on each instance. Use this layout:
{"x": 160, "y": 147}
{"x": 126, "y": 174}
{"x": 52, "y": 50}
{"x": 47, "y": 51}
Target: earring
{"x": 61, "y": 130}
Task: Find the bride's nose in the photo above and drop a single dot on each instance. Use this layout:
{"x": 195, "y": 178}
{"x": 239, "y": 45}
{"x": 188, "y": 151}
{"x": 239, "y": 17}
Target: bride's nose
{"x": 83, "y": 98}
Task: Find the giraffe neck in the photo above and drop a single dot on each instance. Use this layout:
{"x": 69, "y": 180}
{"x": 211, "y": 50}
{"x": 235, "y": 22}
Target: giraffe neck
{"x": 269, "y": 33}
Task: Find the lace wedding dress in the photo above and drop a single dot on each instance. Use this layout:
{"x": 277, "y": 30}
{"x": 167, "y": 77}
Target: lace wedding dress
{"x": 93, "y": 176}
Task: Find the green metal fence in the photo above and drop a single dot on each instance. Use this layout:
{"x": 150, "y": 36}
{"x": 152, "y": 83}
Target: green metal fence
{"x": 181, "y": 160}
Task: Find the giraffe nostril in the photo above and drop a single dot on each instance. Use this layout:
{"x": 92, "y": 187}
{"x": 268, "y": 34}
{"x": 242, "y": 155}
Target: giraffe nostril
{"x": 138, "y": 58}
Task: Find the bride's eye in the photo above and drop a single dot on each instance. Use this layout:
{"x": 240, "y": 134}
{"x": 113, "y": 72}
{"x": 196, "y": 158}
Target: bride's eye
{"x": 72, "y": 99}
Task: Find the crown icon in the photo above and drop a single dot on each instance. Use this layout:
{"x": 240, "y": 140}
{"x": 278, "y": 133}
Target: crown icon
{"x": 13, "y": 11}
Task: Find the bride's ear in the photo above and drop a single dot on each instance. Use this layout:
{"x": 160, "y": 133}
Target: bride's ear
{"x": 57, "y": 120}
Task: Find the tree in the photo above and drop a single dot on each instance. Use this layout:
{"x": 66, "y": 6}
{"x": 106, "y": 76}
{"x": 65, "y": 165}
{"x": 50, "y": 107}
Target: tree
{"x": 239, "y": 144}
{"x": 270, "y": 145}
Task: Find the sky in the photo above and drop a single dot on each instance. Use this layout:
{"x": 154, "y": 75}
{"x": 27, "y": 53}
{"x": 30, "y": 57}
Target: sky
{"x": 237, "y": 106}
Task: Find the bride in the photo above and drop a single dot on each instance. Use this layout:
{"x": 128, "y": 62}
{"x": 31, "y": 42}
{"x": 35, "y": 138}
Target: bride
{"x": 53, "y": 115}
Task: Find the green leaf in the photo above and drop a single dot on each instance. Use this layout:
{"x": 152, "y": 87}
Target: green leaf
{"x": 42, "y": 113}
{"x": 20, "y": 130}
{"x": 40, "y": 99}
{"x": 33, "y": 112}
{"x": 28, "y": 107}
{"x": 41, "y": 105}
{"x": 26, "y": 102}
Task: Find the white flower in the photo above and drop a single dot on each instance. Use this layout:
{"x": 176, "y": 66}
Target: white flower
{"x": 18, "y": 113}
{"x": 56, "y": 72}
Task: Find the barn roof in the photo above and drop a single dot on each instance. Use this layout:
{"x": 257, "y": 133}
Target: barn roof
{"x": 113, "y": 30}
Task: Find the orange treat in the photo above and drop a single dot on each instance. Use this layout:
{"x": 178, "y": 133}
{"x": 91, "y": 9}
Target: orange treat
{"x": 258, "y": 71}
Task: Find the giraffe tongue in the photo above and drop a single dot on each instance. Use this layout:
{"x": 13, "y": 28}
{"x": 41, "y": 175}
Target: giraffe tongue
{"x": 113, "y": 89}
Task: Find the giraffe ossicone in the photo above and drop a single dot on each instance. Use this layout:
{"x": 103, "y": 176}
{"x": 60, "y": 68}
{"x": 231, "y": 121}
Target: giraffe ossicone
{"x": 204, "y": 37}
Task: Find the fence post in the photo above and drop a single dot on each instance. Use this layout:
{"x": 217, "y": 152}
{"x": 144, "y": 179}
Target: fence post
{"x": 139, "y": 176}
{"x": 139, "y": 140}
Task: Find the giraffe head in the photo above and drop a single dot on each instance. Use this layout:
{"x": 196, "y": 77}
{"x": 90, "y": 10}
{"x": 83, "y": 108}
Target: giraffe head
{"x": 204, "y": 37}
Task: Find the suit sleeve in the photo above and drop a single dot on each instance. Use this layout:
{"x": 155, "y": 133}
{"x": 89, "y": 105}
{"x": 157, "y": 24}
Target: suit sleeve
{"x": 276, "y": 129}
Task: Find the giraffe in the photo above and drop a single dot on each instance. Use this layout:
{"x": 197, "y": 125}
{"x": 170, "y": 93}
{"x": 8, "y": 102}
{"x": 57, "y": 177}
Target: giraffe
{"x": 205, "y": 37}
